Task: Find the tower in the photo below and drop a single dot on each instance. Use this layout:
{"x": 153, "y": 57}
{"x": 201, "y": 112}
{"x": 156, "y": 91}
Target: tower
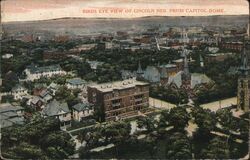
{"x": 139, "y": 72}
{"x": 243, "y": 94}
{"x": 186, "y": 76}
{"x": 185, "y": 53}
{"x": 201, "y": 61}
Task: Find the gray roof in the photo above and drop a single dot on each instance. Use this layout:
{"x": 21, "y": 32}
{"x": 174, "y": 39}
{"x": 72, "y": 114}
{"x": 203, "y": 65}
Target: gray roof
{"x": 82, "y": 106}
{"x": 54, "y": 108}
{"x": 9, "y": 114}
{"x": 76, "y": 81}
{"x": 6, "y": 123}
{"x": 34, "y": 69}
{"x": 17, "y": 120}
{"x": 7, "y": 107}
{"x": 44, "y": 93}
{"x": 35, "y": 99}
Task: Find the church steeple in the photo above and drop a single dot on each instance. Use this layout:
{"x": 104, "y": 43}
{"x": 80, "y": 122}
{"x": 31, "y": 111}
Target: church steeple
{"x": 184, "y": 53}
{"x": 139, "y": 70}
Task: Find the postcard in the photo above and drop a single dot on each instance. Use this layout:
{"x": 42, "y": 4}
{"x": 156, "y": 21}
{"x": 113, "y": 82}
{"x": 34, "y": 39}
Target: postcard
{"x": 125, "y": 79}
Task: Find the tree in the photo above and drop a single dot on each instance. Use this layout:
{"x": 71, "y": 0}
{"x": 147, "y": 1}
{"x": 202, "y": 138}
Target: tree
{"x": 178, "y": 117}
{"x": 117, "y": 133}
{"x": 58, "y": 145}
{"x": 27, "y": 151}
{"x": 64, "y": 94}
{"x": 178, "y": 147}
{"x": 147, "y": 123}
{"x": 216, "y": 149}
{"x": 205, "y": 120}
{"x": 226, "y": 120}
{"x": 39, "y": 139}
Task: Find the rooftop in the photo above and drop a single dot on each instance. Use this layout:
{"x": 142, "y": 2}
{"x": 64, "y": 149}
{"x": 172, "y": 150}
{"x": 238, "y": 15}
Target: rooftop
{"x": 34, "y": 69}
{"x": 55, "y": 108}
{"x": 119, "y": 85}
{"x": 7, "y": 107}
{"x": 168, "y": 66}
{"x": 76, "y": 81}
{"x": 82, "y": 106}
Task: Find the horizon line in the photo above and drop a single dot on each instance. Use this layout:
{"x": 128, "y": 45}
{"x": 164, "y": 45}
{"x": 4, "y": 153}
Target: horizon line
{"x": 116, "y": 18}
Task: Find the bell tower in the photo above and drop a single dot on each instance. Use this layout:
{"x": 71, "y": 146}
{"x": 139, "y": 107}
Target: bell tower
{"x": 243, "y": 94}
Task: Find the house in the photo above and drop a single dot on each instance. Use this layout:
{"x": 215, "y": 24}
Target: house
{"x": 52, "y": 88}
{"x": 46, "y": 96}
{"x": 37, "y": 103}
{"x": 59, "y": 110}
{"x": 38, "y": 88}
{"x": 82, "y": 110}
{"x": 10, "y": 115}
{"x": 76, "y": 83}
{"x": 18, "y": 92}
{"x": 34, "y": 72}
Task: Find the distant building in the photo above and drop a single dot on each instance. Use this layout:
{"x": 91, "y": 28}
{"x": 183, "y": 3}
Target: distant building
{"x": 37, "y": 103}
{"x": 34, "y": 72}
{"x": 120, "y": 99}
{"x": 82, "y": 111}
{"x": 58, "y": 110}
{"x": 10, "y": 115}
{"x": 237, "y": 46}
{"x": 94, "y": 64}
{"x": 61, "y": 38}
{"x": 218, "y": 57}
{"x": 52, "y": 55}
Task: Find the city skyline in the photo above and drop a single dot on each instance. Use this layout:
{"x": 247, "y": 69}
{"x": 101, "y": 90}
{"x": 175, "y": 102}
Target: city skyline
{"x": 32, "y": 10}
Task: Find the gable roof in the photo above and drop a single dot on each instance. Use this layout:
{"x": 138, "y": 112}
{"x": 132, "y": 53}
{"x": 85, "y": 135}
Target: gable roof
{"x": 7, "y": 107}
{"x": 82, "y": 106}
{"x": 54, "y": 108}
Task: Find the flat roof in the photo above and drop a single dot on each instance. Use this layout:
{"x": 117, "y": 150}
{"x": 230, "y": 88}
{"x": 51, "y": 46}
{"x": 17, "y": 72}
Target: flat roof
{"x": 118, "y": 85}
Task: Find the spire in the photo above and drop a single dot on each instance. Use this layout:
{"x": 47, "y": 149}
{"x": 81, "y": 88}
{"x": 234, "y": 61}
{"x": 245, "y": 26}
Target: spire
{"x": 244, "y": 68}
{"x": 185, "y": 61}
{"x": 201, "y": 61}
{"x": 139, "y": 70}
{"x": 186, "y": 68}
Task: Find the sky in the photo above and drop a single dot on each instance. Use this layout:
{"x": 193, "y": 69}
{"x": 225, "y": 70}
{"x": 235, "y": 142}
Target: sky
{"x": 30, "y": 10}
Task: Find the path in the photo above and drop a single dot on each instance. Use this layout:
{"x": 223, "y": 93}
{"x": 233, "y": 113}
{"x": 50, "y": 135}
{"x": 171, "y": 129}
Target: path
{"x": 157, "y": 103}
{"x": 214, "y": 106}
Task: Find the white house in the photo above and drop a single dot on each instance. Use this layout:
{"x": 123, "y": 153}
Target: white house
{"x": 18, "y": 92}
{"x": 33, "y": 72}
{"x": 82, "y": 111}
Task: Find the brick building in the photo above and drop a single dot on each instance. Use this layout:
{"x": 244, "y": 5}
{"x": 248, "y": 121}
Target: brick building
{"x": 120, "y": 99}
